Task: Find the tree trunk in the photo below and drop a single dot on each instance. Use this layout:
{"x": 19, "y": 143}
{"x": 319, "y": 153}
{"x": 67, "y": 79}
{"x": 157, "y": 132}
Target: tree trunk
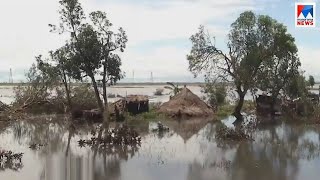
{"x": 104, "y": 85}
{"x": 272, "y": 106}
{"x": 96, "y": 91}
{"x": 105, "y": 97}
{"x": 65, "y": 83}
{"x": 237, "y": 110}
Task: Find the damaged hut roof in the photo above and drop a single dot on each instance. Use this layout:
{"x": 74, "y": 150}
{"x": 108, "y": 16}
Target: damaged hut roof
{"x": 186, "y": 104}
{"x": 132, "y": 98}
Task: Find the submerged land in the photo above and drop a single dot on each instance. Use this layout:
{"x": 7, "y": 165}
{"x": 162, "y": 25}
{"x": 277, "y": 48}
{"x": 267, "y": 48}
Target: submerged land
{"x": 256, "y": 115}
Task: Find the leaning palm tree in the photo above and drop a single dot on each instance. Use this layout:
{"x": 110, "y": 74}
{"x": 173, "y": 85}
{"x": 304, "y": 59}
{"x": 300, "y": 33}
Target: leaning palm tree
{"x": 174, "y": 88}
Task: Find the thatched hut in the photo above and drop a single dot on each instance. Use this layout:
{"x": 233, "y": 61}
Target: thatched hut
{"x": 134, "y": 104}
{"x": 186, "y": 104}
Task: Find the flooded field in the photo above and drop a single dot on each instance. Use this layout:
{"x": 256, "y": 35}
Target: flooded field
{"x": 189, "y": 151}
{"x": 7, "y": 93}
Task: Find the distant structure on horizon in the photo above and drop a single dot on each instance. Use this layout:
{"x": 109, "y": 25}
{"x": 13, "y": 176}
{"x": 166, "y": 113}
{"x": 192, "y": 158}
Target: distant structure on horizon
{"x": 10, "y": 76}
{"x": 151, "y": 77}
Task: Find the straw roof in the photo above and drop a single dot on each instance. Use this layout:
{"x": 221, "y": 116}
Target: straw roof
{"x": 186, "y": 104}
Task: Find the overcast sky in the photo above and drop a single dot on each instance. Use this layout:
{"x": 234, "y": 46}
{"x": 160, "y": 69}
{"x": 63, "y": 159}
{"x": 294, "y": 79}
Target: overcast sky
{"x": 158, "y": 32}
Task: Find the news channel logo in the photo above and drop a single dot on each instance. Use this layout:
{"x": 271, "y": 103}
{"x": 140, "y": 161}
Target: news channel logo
{"x": 305, "y": 14}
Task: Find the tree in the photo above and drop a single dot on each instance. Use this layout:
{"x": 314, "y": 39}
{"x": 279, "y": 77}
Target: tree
{"x": 65, "y": 70}
{"x": 216, "y": 93}
{"x": 248, "y": 46}
{"x": 283, "y": 66}
{"x": 296, "y": 87}
{"x": 110, "y": 43}
{"x": 41, "y": 81}
{"x": 84, "y": 43}
{"x": 60, "y": 66}
{"x": 311, "y": 81}
{"x": 87, "y": 57}
{"x": 174, "y": 88}
{"x": 92, "y": 46}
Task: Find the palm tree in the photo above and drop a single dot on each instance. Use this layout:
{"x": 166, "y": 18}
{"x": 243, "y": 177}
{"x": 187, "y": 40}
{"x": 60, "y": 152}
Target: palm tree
{"x": 174, "y": 88}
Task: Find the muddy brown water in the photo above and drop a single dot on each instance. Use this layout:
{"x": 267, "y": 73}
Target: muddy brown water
{"x": 189, "y": 151}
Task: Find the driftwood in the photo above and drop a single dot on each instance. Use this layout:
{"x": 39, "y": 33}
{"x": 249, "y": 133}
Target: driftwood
{"x": 8, "y": 113}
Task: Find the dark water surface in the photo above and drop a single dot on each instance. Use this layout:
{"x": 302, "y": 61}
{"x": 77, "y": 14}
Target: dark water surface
{"x": 188, "y": 152}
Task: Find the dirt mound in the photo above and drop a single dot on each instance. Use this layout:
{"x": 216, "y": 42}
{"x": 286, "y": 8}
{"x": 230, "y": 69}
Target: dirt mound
{"x": 185, "y": 104}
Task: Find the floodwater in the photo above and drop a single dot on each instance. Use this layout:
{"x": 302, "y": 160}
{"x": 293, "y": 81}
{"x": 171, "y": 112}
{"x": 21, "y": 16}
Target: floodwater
{"x": 189, "y": 151}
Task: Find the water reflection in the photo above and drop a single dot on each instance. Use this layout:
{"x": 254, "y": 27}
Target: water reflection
{"x": 189, "y": 151}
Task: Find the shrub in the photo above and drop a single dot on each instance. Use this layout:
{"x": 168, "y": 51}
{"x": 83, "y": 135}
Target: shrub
{"x": 215, "y": 93}
{"x": 159, "y": 92}
{"x": 83, "y": 97}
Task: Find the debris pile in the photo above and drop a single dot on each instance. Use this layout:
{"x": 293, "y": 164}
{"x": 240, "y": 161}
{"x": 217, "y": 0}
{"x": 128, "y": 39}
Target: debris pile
{"x": 3, "y": 106}
{"x": 223, "y": 164}
{"x": 237, "y": 134}
{"x": 185, "y": 104}
{"x": 35, "y": 146}
{"x": 10, "y": 160}
{"x": 122, "y": 136}
{"x": 160, "y": 128}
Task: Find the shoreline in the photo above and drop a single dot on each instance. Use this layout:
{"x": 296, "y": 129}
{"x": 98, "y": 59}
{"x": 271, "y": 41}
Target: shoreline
{"x": 125, "y": 84}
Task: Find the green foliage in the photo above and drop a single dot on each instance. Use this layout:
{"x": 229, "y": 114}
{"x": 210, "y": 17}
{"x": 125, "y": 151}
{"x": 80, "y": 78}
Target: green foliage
{"x": 296, "y": 87}
{"x": 311, "y": 81}
{"x": 37, "y": 88}
{"x": 110, "y": 42}
{"x": 152, "y": 115}
{"x": 284, "y": 65}
{"x": 92, "y": 46}
{"x": 216, "y": 93}
{"x": 224, "y": 111}
{"x": 253, "y": 42}
{"x": 60, "y": 67}
{"x": 35, "y": 97}
{"x": 86, "y": 51}
{"x": 158, "y": 92}
{"x": 113, "y": 70}
{"x": 174, "y": 88}
{"x": 83, "y": 97}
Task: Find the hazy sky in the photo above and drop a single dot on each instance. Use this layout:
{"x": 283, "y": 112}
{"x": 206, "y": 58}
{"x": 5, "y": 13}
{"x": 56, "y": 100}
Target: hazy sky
{"x": 158, "y": 32}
